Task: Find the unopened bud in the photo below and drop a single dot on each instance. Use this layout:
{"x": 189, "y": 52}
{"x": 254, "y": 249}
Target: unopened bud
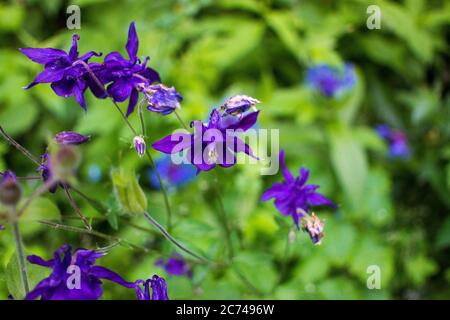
{"x": 239, "y": 104}
{"x": 71, "y": 138}
{"x": 139, "y": 145}
{"x": 10, "y": 191}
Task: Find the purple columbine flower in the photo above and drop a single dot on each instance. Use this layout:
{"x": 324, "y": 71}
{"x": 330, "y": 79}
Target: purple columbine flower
{"x": 175, "y": 266}
{"x": 126, "y": 74}
{"x": 211, "y": 144}
{"x": 66, "y": 77}
{"x": 158, "y": 286}
{"x": 331, "y": 81}
{"x": 71, "y": 138}
{"x": 397, "y": 140}
{"x": 293, "y": 197}
{"x": 237, "y": 105}
{"x": 173, "y": 174}
{"x": 2, "y": 227}
{"x": 74, "y": 276}
{"x": 161, "y": 99}
{"x": 139, "y": 145}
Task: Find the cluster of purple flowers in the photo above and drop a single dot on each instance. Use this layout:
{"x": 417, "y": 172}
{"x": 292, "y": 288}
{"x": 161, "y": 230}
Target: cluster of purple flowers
{"x": 117, "y": 77}
{"x": 77, "y": 277}
{"x": 331, "y": 81}
{"x": 396, "y": 140}
{"x": 211, "y": 144}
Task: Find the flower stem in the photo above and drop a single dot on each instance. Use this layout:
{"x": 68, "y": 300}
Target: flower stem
{"x": 17, "y": 145}
{"x": 92, "y": 233}
{"x": 75, "y": 207}
{"x": 172, "y": 239}
{"x": 147, "y": 153}
{"x": 222, "y": 215}
{"x": 21, "y": 256}
{"x": 181, "y": 120}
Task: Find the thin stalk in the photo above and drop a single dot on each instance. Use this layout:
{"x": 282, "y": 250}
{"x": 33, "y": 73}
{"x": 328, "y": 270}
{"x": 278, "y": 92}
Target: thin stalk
{"x": 92, "y": 233}
{"x": 141, "y": 117}
{"x": 158, "y": 176}
{"x": 222, "y": 215}
{"x": 172, "y": 239}
{"x": 181, "y": 120}
{"x": 21, "y": 256}
{"x": 17, "y": 145}
{"x": 75, "y": 207}
{"x": 147, "y": 153}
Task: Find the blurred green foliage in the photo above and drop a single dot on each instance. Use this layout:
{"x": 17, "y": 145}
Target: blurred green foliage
{"x": 392, "y": 213}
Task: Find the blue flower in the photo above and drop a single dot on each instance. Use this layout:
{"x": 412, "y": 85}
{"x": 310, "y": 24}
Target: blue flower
{"x": 397, "y": 141}
{"x": 173, "y": 175}
{"x": 64, "y": 265}
{"x": 66, "y": 78}
{"x": 293, "y": 197}
{"x": 175, "y": 265}
{"x": 10, "y": 191}
{"x": 331, "y": 81}
{"x": 71, "y": 138}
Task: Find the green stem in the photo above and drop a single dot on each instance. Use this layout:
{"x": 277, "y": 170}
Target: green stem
{"x": 222, "y": 215}
{"x": 21, "y": 256}
{"x": 147, "y": 153}
{"x": 75, "y": 207}
{"x": 172, "y": 239}
{"x": 181, "y": 120}
{"x": 17, "y": 145}
{"x": 92, "y": 233}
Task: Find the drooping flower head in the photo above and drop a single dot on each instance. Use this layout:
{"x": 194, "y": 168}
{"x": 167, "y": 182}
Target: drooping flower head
{"x": 161, "y": 99}
{"x": 174, "y": 175}
{"x": 397, "y": 141}
{"x": 293, "y": 197}
{"x": 211, "y": 144}
{"x": 158, "y": 288}
{"x": 331, "y": 81}
{"x": 239, "y": 104}
{"x": 67, "y": 78}
{"x": 175, "y": 266}
{"x": 10, "y": 191}
{"x": 124, "y": 75}
{"x": 74, "y": 276}
{"x": 314, "y": 227}
{"x": 71, "y": 138}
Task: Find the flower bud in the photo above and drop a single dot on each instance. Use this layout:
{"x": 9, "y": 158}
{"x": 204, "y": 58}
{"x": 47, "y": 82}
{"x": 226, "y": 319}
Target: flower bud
{"x": 10, "y": 191}
{"x": 161, "y": 99}
{"x": 139, "y": 145}
{"x": 71, "y": 138}
{"x": 239, "y": 104}
{"x": 314, "y": 227}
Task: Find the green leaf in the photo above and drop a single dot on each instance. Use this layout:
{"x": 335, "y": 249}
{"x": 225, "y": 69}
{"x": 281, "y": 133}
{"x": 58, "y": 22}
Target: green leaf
{"x": 349, "y": 162}
{"x": 128, "y": 192}
{"x": 14, "y": 278}
{"x": 443, "y": 235}
{"x": 247, "y": 262}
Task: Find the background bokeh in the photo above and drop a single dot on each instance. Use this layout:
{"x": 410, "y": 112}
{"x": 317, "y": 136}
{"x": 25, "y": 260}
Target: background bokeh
{"x": 393, "y": 213}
